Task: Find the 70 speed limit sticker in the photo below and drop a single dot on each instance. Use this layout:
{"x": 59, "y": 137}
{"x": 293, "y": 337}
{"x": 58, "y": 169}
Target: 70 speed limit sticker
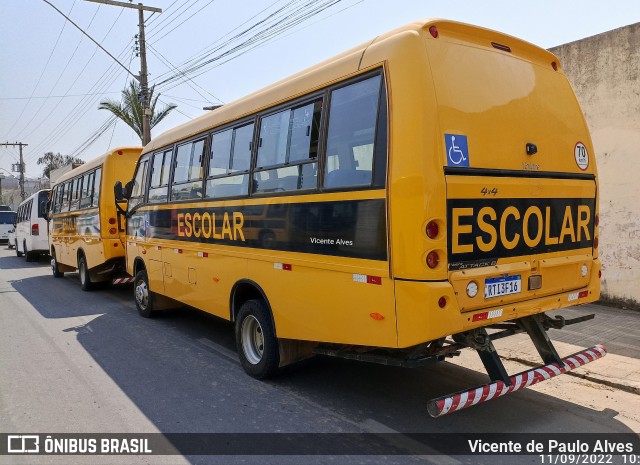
{"x": 582, "y": 156}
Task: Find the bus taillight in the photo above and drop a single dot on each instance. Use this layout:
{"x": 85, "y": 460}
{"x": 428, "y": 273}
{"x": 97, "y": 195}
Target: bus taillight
{"x": 35, "y": 230}
{"x": 433, "y": 259}
{"x": 432, "y": 229}
{"x": 112, "y": 221}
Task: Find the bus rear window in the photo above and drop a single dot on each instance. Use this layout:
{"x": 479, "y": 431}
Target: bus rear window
{"x": 43, "y": 198}
{"x": 351, "y": 134}
{"x": 7, "y": 217}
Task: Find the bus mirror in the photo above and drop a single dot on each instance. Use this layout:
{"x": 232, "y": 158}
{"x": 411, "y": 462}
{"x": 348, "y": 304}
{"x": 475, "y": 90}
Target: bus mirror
{"x": 117, "y": 191}
{"x": 128, "y": 189}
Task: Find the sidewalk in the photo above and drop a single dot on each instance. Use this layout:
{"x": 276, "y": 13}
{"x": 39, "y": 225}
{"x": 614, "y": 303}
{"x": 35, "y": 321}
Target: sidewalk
{"x": 618, "y": 330}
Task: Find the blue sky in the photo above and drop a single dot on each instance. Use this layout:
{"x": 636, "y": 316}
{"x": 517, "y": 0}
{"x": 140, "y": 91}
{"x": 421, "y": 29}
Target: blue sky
{"x": 48, "y": 67}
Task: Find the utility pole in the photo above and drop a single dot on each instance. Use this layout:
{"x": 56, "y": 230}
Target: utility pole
{"x": 18, "y": 167}
{"x": 143, "y": 76}
{"x": 144, "y": 84}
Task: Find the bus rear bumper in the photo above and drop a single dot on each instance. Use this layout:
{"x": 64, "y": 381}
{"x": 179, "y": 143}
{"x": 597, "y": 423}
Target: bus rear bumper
{"x": 420, "y": 319}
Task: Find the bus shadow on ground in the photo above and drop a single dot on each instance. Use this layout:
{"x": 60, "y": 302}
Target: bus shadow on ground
{"x": 13, "y": 262}
{"x": 181, "y": 384}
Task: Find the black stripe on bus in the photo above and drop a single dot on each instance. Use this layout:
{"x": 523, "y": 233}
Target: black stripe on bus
{"x": 454, "y": 170}
{"x": 349, "y": 228}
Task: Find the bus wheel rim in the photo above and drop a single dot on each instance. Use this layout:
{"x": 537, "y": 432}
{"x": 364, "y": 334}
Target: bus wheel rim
{"x": 53, "y": 263}
{"x": 142, "y": 294}
{"x": 252, "y": 340}
{"x": 83, "y": 277}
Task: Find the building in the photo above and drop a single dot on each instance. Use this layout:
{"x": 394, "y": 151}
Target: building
{"x": 605, "y": 73}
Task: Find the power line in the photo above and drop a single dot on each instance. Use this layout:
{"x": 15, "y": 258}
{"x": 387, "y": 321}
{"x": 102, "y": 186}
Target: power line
{"x": 169, "y": 18}
{"x": 266, "y": 34}
{"x": 84, "y": 105}
{"x": 64, "y": 68}
{"x": 182, "y": 113}
{"x": 98, "y": 86}
{"x": 95, "y": 136}
{"x": 188, "y": 80}
{"x": 180, "y": 24}
{"x": 116, "y": 123}
{"x": 201, "y": 62}
{"x": 92, "y": 39}
{"x": 81, "y": 108}
{"x": 142, "y": 78}
{"x": 208, "y": 49}
{"x": 55, "y": 96}
{"x": 152, "y": 19}
{"x": 55, "y": 45}
{"x": 186, "y": 102}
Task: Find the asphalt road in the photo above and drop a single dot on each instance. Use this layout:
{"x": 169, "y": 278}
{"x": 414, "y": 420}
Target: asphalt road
{"x": 79, "y": 362}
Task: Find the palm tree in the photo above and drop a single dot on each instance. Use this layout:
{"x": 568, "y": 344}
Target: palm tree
{"x": 129, "y": 109}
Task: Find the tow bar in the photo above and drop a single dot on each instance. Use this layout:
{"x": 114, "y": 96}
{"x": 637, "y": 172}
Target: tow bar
{"x": 501, "y": 383}
{"x": 461, "y": 400}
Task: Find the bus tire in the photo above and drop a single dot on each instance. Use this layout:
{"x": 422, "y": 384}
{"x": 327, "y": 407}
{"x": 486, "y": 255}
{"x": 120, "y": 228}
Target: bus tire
{"x": 28, "y": 256}
{"x": 55, "y": 270}
{"x": 18, "y": 253}
{"x": 143, "y": 296}
{"x": 83, "y": 271}
{"x": 256, "y": 340}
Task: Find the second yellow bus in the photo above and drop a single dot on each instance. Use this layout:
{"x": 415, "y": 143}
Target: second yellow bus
{"x": 85, "y": 229}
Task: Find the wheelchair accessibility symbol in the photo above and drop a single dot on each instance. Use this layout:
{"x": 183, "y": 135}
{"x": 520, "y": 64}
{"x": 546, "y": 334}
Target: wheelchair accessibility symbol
{"x": 457, "y": 150}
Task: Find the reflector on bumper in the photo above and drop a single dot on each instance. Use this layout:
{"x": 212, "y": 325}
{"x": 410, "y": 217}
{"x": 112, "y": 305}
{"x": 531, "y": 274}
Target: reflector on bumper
{"x": 461, "y": 400}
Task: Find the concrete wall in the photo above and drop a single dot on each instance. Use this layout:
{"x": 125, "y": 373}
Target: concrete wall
{"x": 56, "y": 174}
{"x": 605, "y": 73}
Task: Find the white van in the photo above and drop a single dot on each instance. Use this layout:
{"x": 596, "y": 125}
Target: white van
{"x": 7, "y": 221}
{"x": 32, "y": 237}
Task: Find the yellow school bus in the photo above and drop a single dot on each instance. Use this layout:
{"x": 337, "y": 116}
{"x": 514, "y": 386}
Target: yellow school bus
{"x": 84, "y": 228}
{"x": 389, "y": 205}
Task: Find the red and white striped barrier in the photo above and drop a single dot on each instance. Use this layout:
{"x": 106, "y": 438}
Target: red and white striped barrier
{"x": 117, "y": 281}
{"x": 461, "y": 400}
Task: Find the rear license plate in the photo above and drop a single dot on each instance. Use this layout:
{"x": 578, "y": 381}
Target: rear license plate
{"x": 504, "y": 285}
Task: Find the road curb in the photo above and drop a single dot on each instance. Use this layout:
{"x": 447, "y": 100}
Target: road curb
{"x": 589, "y": 376}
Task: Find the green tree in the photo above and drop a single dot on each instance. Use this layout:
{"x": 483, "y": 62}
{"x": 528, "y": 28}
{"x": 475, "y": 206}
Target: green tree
{"x": 53, "y": 161}
{"x": 129, "y": 109}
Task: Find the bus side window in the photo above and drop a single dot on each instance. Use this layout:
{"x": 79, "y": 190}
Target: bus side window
{"x": 137, "y": 193}
{"x": 87, "y": 187}
{"x": 75, "y": 193}
{"x": 54, "y": 198}
{"x": 187, "y": 173}
{"x": 229, "y": 162}
{"x": 351, "y": 134}
{"x": 160, "y": 169}
{"x": 66, "y": 190}
{"x": 288, "y": 149}
{"x": 57, "y": 198}
{"x": 95, "y": 196}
